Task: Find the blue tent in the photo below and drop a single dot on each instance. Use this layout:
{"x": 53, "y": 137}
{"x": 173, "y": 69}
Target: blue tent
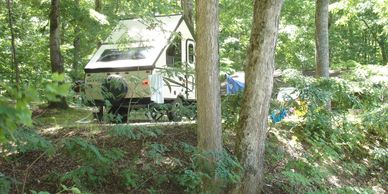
{"x": 233, "y": 86}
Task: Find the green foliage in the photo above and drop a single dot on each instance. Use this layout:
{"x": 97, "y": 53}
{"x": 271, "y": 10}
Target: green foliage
{"x": 26, "y": 140}
{"x": 40, "y": 192}
{"x": 14, "y": 110}
{"x": 376, "y": 122}
{"x": 80, "y": 149}
{"x": 134, "y": 133}
{"x": 5, "y": 184}
{"x": 55, "y": 87}
{"x": 231, "y": 109}
{"x": 303, "y": 177}
{"x": 235, "y": 25}
{"x": 193, "y": 178}
{"x": 72, "y": 189}
{"x": 65, "y": 189}
{"x": 130, "y": 178}
{"x": 84, "y": 176}
{"x": 95, "y": 165}
{"x": 296, "y": 33}
{"x": 354, "y": 140}
{"x": 361, "y": 24}
{"x": 155, "y": 151}
{"x": 350, "y": 189}
{"x": 15, "y": 102}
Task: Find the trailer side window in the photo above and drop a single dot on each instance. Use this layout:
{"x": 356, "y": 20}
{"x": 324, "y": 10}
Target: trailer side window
{"x": 174, "y": 52}
{"x": 191, "y": 53}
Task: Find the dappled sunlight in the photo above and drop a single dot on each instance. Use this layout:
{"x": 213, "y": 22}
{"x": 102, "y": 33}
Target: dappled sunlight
{"x": 292, "y": 146}
{"x": 51, "y": 130}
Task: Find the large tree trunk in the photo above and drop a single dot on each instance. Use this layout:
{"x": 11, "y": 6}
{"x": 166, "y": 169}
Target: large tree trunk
{"x": 77, "y": 49}
{"x": 187, "y": 6}
{"x": 207, "y": 83}
{"x": 322, "y": 38}
{"x": 55, "y": 52}
{"x": 15, "y": 65}
{"x": 259, "y": 71}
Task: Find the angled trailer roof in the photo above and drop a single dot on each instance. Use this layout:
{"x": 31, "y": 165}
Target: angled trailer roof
{"x": 153, "y": 35}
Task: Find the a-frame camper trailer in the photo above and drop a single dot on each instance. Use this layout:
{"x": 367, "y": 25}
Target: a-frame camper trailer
{"x": 128, "y": 70}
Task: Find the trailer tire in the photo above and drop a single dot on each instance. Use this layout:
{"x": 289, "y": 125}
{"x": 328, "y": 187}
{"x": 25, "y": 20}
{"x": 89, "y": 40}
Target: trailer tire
{"x": 114, "y": 88}
{"x": 119, "y": 114}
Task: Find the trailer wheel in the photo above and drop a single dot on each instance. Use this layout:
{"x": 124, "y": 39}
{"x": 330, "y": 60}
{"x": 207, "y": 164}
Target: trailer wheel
{"x": 174, "y": 113}
{"x": 99, "y": 115}
{"x": 114, "y": 88}
{"x": 154, "y": 112}
{"x": 118, "y": 114}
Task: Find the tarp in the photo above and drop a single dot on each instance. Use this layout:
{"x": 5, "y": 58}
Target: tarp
{"x": 233, "y": 86}
{"x": 235, "y": 83}
{"x": 156, "y": 88}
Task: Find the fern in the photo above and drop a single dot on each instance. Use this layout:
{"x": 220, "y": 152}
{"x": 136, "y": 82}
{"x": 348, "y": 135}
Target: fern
{"x": 83, "y": 176}
{"x": 5, "y": 184}
{"x": 130, "y": 178}
{"x": 95, "y": 165}
{"x": 150, "y": 132}
{"x": 192, "y": 180}
{"x": 124, "y": 131}
{"x": 296, "y": 178}
{"x": 114, "y": 154}
{"x": 155, "y": 152}
{"x": 227, "y": 169}
{"x": 83, "y": 150}
{"x": 26, "y": 140}
{"x": 132, "y": 133}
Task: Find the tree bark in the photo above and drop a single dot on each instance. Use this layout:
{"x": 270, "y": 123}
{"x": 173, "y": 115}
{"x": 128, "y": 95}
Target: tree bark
{"x": 187, "y": 6}
{"x": 55, "y": 52}
{"x": 383, "y": 49}
{"x": 97, "y": 7}
{"x": 207, "y": 82}
{"x": 15, "y": 65}
{"x": 77, "y": 49}
{"x": 322, "y": 38}
{"x": 381, "y": 41}
{"x": 322, "y": 41}
{"x": 259, "y": 71}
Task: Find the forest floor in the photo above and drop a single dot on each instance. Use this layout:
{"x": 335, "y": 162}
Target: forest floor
{"x": 66, "y": 156}
{"x": 311, "y": 151}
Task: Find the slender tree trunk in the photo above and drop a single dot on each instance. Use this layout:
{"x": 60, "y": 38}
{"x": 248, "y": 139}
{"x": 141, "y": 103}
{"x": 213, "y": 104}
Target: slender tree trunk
{"x": 259, "y": 70}
{"x": 77, "y": 49}
{"x": 55, "y": 52}
{"x": 383, "y": 49}
{"x": 187, "y": 6}
{"x": 97, "y": 5}
{"x": 322, "y": 38}
{"x": 14, "y": 62}
{"x": 322, "y": 41}
{"x": 207, "y": 83}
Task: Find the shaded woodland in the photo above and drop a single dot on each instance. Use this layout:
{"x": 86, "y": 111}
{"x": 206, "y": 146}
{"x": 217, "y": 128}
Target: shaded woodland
{"x": 331, "y": 138}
